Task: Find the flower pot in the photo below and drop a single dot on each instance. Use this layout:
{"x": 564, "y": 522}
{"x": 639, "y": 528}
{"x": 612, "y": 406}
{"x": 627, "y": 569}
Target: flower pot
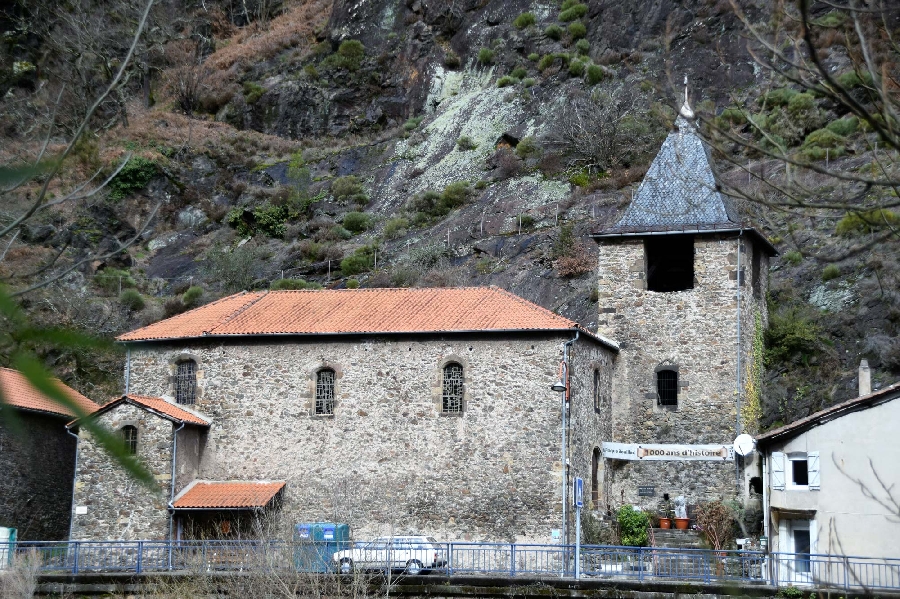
{"x": 682, "y": 523}
{"x": 665, "y": 523}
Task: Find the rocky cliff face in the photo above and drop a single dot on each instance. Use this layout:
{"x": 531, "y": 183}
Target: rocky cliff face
{"x": 457, "y": 128}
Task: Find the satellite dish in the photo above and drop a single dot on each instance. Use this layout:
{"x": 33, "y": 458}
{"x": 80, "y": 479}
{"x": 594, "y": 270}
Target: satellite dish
{"x": 744, "y": 444}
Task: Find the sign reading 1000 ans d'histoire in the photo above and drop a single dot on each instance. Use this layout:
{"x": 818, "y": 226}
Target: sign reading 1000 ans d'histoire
{"x": 649, "y": 451}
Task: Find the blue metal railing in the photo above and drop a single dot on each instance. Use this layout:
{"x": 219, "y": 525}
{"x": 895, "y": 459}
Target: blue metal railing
{"x": 497, "y": 559}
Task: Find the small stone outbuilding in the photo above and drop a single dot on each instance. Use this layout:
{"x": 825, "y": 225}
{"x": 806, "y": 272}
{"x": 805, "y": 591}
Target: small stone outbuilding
{"x": 424, "y": 411}
{"x": 37, "y": 458}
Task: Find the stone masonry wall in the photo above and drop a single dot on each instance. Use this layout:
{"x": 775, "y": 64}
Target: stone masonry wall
{"x": 387, "y": 461}
{"x": 695, "y": 330}
{"x": 118, "y": 506}
{"x": 591, "y": 418}
{"x": 37, "y": 463}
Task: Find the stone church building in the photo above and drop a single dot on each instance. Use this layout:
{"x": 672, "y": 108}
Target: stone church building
{"x": 431, "y": 410}
{"x": 394, "y": 410}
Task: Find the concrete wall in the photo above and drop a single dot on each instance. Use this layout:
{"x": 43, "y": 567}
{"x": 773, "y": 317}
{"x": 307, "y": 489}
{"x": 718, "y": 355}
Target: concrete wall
{"x": 387, "y": 460}
{"x": 854, "y": 452}
{"x": 37, "y": 463}
{"x": 695, "y": 330}
{"x": 118, "y": 506}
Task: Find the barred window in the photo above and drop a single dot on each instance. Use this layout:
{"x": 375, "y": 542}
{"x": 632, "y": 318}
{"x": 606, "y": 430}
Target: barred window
{"x": 452, "y": 396}
{"x": 325, "y": 391}
{"x": 186, "y": 382}
{"x": 667, "y": 387}
{"x": 130, "y": 434}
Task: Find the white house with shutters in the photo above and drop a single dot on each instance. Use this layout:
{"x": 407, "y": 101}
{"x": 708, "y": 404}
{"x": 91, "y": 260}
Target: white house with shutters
{"x": 831, "y": 482}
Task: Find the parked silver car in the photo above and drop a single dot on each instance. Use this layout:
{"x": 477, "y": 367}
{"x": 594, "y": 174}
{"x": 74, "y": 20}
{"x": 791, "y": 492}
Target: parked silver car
{"x": 412, "y": 554}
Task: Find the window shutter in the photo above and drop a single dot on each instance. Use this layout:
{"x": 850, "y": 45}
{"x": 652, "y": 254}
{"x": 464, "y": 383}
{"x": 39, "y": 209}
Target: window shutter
{"x": 778, "y": 471}
{"x": 812, "y": 467}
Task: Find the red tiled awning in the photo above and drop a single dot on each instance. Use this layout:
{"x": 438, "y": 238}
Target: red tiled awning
{"x": 233, "y": 495}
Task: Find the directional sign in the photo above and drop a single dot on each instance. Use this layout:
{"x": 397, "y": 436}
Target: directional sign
{"x": 578, "y": 492}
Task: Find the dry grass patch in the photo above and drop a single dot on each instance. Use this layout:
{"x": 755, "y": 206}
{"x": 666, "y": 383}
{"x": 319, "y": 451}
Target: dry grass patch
{"x": 296, "y": 26}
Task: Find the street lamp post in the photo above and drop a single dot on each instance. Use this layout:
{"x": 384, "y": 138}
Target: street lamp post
{"x": 562, "y": 387}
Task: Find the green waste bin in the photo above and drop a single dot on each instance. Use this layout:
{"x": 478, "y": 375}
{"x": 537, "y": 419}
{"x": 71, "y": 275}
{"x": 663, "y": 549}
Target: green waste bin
{"x": 316, "y": 542}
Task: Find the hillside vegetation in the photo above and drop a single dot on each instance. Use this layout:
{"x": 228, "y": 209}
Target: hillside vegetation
{"x": 310, "y": 143}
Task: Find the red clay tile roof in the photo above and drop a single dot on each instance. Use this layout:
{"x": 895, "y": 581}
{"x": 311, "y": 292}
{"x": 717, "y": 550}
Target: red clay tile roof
{"x": 360, "y": 311}
{"x": 18, "y": 392}
{"x": 201, "y": 495}
{"x": 157, "y": 405}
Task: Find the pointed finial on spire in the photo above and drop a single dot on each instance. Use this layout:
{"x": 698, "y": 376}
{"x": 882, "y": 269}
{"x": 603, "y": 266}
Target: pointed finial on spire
{"x": 686, "y": 111}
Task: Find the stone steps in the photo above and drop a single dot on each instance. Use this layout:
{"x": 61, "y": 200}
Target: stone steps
{"x": 673, "y": 564}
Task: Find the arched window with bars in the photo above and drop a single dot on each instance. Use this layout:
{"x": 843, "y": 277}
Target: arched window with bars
{"x": 186, "y": 382}
{"x": 130, "y": 436}
{"x": 324, "y": 392}
{"x": 452, "y": 389}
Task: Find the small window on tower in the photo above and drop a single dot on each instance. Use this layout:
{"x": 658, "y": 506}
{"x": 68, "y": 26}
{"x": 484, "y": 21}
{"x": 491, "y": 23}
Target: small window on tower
{"x": 667, "y": 387}
{"x": 670, "y": 263}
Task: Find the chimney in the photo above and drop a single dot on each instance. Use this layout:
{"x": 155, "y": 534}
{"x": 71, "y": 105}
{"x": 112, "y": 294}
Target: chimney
{"x": 865, "y": 378}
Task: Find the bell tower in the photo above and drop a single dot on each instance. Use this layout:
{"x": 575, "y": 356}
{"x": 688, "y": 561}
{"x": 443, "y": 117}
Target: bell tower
{"x": 682, "y": 284}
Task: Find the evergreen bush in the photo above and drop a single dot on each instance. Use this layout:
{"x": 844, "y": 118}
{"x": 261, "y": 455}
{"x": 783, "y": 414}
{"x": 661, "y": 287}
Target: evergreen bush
{"x": 554, "y": 32}
{"x": 524, "y": 20}
{"x": 594, "y": 74}
{"x": 357, "y": 222}
{"x": 632, "y": 526}
{"x": 134, "y": 176}
{"x": 575, "y": 11}
{"x": 577, "y": 30}
{"x": 132, "y": 299}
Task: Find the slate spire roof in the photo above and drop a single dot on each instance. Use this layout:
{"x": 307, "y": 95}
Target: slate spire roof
{"x": 679, "y": 193}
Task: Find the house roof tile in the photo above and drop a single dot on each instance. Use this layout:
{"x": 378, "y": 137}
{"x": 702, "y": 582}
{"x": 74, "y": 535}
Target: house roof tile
{"x": 158, "y": 406}
{"x": 345, "y": 311}
{"x": 18, "y": 392}
{"x": 201, "y": 494}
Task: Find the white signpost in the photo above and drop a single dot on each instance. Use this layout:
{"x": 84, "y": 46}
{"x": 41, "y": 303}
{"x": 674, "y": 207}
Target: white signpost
{"x": 578, "y": 500}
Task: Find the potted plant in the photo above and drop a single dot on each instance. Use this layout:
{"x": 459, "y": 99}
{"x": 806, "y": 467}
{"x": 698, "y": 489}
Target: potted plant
{"x": 666, "y": 514}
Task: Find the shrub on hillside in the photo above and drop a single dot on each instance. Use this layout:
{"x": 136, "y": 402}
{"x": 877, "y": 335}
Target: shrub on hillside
{"x": 554, "y": 32}
{"x": 577, "y": 30}
{"x": 594, "y": 74}
{"x": 292, "y": 284}
{"x": 859, "y": 223}
{"x": 506, "y": 81}
{"x": 575, "y": 11}
{"x": 349, "y": 189}
{"x": 357, "y": 222}
{"x": 485, "y": 56}
{"x": 465, "y": 142}
{"x": 133, "y": 177}
{"x": 348, "y": 56}
{"x": 524, "y": 20}
{"x": 192, "y": 296}
{"x": 113, "y": 279}
{"x": 132, "y": 299}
